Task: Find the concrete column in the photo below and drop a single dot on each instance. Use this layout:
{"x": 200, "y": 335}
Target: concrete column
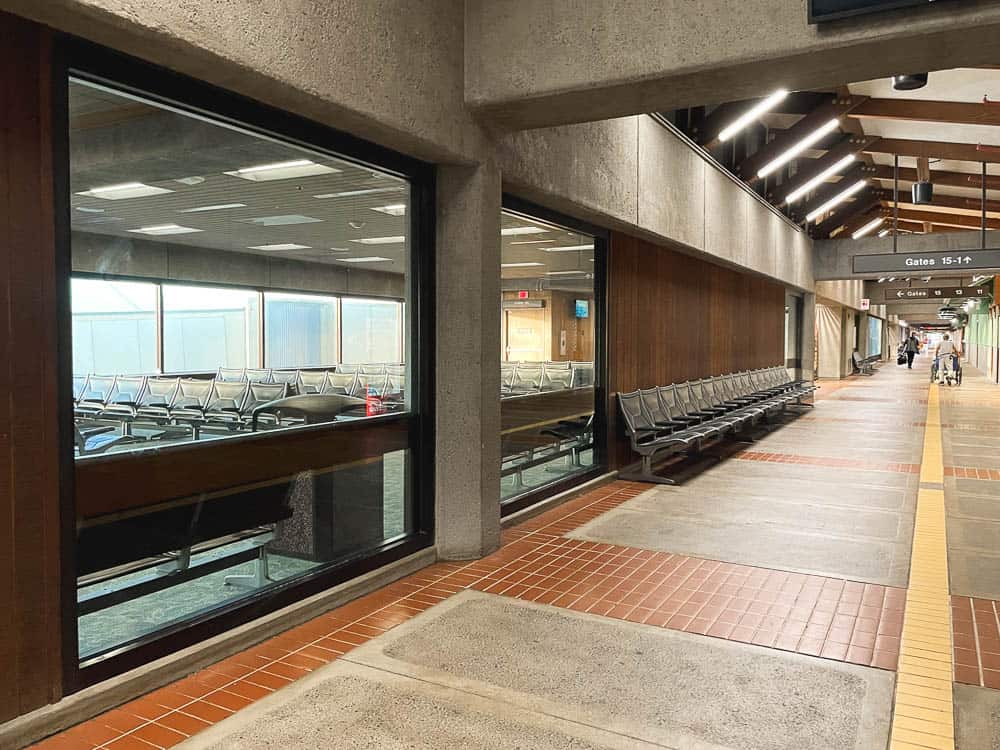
{"x": 808, "y": 370}
{"x": 467, "y": 480}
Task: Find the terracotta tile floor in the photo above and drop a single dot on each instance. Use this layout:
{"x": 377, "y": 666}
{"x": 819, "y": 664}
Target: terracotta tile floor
{"x": 971, "y": 472}
{"x": 823, "y": 617}
{"x": 976, "y": 641}
{"x": 844, "y": 463}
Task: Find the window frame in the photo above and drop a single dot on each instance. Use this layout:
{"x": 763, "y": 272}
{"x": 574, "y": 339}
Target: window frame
{"x": 82, "y": 60}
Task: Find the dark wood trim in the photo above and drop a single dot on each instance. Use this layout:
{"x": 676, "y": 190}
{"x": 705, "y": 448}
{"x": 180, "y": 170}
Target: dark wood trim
{"x": 936, "y": 150}
{"x": 920, "y": 110}
{"x": 939, "y": 177}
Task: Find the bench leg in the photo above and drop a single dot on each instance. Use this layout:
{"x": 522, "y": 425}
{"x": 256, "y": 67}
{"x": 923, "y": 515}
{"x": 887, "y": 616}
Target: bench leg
{"x": 644, "y": 473}
{"x": 260, "y": 576}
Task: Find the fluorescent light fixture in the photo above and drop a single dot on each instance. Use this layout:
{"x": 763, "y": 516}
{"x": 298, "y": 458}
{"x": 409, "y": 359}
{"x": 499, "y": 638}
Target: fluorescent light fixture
{"x": 567, "y": 248}
{"x": 90, "y": 210}
{"x": 281, "y": 246}
{"x": 190, "y": 180}
{"x": 219, "y": 207}
{"x": 818, "y": 179}
{"x": 367, "y": 259}
{"x": 380, "y": 240}
{"x": 883, "y": 233}
{"x": 868, "y": 228}
{"x": 836, "y": 200}
{"x": 892, "y": 278}
{"x": 515, "y": 231}
{"x": 881, "y": 279}
{"x": 521, "y": 265}
{"x": 752, "y": 114}
{"x": 282, "y": 170}
{"x": 281, "y": 221}
{"x": 565, "y": 273}
{"x": 365, "y": 191}
{"x": 798, "y": 148}
{"x": 165, "y": 229}
{"x": 124, "y": 190}
{"x": 393, "y": 209}
{"x": 532, "y": 242}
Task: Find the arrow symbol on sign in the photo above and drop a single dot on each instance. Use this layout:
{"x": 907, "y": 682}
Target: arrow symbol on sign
{"x": 967, "y": 259}
{"x": 899, "y": 294}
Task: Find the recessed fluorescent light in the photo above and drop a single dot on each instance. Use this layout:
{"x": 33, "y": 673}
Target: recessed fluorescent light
{"x": 567, "y": 248}
{"x": 380, "y": 240}
{"x": 565, "y": 273}
{"x": 368, "y": 259}
{"x": 520, "y": 265}
{"x": 752, "y": 114}
{"x": 281, "y": 246}
{"x": 90, "y": 210}
{"x": 883, "y": 233}
{"x": 393, "y": 209}
{"x": 366, "y": 191}
{"x": 532, "y": 242}
{"x": 514, "y": 231}
{"x": 165, "y": 229}
{"x": 190, "y": 180}
{"x": 281, "y": 221}
{"x": 282, "y": 170}
{"x": 837, "y": 199}
{"x": 124, "y": 190}
{"x": 219, "y": 207}
{"x": 819, "y": 179}
{"x": 798, "y": 148}
{"x": 868, "y": 228}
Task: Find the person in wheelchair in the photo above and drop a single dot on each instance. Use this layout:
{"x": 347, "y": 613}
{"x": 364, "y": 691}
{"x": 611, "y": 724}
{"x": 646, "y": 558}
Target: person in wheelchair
{"x": 946, "y": 355}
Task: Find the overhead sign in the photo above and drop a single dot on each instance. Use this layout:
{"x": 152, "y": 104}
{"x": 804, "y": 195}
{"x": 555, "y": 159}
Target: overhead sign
{"x": 935, "y": 292}
{"x": 978, "y": 260}
{"x": 828, "y": 10}
{"x": 511, "y": 304}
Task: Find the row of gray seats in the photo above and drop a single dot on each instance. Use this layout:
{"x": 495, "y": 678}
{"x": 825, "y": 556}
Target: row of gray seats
{"x": 684, "y": 417}
{"x": 534, "y": 377}
{"x": 267, "y": 375}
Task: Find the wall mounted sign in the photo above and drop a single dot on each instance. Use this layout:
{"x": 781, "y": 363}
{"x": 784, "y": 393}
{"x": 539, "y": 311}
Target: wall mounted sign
{"x": 829, "y": 10}
{"x": 514, "y": 304}
{"x": 935, "y": 292}
{"x": 978, "y": 260}
{"x": 866, "y": 304}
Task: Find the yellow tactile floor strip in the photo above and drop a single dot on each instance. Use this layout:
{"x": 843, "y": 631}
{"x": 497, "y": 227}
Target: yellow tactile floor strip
{"x": 923, "y": 712}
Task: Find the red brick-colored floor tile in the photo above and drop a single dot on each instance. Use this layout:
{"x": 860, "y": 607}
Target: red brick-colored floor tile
{"x": 129, "y": 742}
{"x": 183, "y": 723}
{"x": 968, "y": 675}
{"x": 159, "y": 736}
{"x": 207, "y": 712}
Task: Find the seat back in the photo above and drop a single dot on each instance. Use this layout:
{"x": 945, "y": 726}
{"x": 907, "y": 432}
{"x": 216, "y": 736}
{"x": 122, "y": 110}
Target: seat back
{"x": 633, "y": 414}
{"x": 159, "y": 392}
{"x": 699, "y": 398}
{"x": 363, "y": 382}
{"x": 651, "y": 403}
{"x": 557, "y": 380}
{"x": 372, "y": 369}
{"x": 732, "y": 386}
{"x": 668, "y": 401}
{"x": 557, "y": 365}
{"x": 231, "y": 374}
{"x": 258, "y": 376}
{"x": 583, "y": 373}
{"x": 683, "y": 398}
{"x": 716, "y": 387}
{"x": 342, "y": 383}
{"x": 227, "y": 396}
{"x": 127, "y": 389}
{"x": 192, "y": 393}
{"x": 394, "y": 388}
{"x": 290, "y": 377}
{"x": 262, "y": 393}
{"x": 507, "y": 372}
{"x": 347, "y": 368}
{"x": 79, "y": 386}
{"x": 98, "y": 389}
{"x": 527, "y": 378}
{"x": 311, "y": 381}
{"x": 395, "y": 369}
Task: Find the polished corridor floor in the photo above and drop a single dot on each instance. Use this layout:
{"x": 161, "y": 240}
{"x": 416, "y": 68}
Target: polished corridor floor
{"x": 832, "y": 585}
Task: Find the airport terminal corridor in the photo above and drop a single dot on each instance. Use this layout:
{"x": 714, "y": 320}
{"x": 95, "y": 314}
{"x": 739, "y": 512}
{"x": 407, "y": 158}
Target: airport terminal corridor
{"x": 805, "y": 575}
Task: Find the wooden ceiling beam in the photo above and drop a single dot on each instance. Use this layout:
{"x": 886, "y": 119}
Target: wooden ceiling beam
{"x": 917, "y": 110}
{"x": 938, "y": 218}
{"x": 838, "y": 107}
{"x": 935, "y": 150}
{"x": 972, "y": 205}
{"x": 938, "y": 177}
{"x": 808, "y": 169}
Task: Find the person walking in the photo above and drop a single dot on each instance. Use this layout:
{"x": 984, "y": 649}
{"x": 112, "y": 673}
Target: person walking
{"x": 945, "y": 353}
{"x": 912, "y": 346}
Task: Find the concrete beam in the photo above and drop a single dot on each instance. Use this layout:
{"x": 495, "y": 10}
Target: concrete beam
{"x": 833, "y": 258}
{"x": 534, "y": 63}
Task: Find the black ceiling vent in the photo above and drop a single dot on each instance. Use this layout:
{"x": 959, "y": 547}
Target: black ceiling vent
{"x": 923, "y": 193}
{"x": 909, "y": 81}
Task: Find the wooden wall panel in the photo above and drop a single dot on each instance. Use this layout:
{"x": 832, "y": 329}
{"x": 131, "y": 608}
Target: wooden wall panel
{"x": 30, "y": 653}
{"x": 672, "y": 317}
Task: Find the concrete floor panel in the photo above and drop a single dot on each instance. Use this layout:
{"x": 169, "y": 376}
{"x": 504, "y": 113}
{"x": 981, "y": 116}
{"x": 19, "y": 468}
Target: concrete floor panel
{"x": 972, "y": 572}
{"x": 977, "y": 718}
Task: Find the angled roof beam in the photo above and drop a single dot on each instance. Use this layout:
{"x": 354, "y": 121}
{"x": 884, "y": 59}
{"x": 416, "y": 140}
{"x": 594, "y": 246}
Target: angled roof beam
{"x": 916, "y": 110}
{"x": 939, "y": 218}
{"x": 850, "y": 145}
{"x": 859, "y": 220}
{"x": 801, "y": 208}
{"x": 862, "y": 203}
{"x": 935, "y": 150}
{"x": 838, "y": 107}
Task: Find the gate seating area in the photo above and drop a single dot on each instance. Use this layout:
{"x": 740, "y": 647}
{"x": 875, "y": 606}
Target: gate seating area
{"x": 684, "y": 418}
{"x": 517, "y": 378}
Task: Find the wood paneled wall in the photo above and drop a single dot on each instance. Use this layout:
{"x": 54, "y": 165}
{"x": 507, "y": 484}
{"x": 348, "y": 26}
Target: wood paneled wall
{"x": 672, "y": 317}
{"x": 30, "y": 647}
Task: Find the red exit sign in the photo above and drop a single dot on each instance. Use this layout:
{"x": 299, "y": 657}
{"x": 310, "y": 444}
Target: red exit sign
{"x": 522, "y": 295}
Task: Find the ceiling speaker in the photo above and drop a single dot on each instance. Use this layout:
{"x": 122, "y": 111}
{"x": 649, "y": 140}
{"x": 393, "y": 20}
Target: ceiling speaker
{"x": 923, "y": 193}
{"x": 909, "y": 81}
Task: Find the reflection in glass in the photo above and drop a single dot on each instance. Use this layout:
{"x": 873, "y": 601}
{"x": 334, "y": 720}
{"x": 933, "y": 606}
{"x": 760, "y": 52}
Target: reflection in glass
{"x": 300, "y": 330}
{"x": 114, "y": 327}
{"x": 371, "y": 331}
{"x": 208, "y": 328}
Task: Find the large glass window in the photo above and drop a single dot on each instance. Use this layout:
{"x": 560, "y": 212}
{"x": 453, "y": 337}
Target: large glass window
{"x": 242, "y": 417}
{"x": 549, "y": 355}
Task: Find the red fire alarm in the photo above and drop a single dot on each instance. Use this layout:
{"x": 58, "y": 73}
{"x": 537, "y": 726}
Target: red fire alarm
{"x": 522, "y": 295}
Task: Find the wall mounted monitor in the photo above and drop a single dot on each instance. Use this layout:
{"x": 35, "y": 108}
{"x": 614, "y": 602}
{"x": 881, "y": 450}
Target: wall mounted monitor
{"x": 582, "y": 308}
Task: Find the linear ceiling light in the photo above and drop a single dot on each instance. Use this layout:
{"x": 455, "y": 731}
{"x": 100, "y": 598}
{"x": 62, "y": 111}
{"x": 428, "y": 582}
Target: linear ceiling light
{"x": 281, "y": 220}
{"x": 282, "y": 170}
{"x": 281, "y": 246}
{"x": 567, "y": 248}
{"x": 798, "y": 148}
{"x": 883, "y": 233}
{"x": 393, "y": 209}
{"x": 514, "y": 231}
{"x": 366, "y": 259}
{"x": 818, "y": 179}
{"x": 532, "y": 242}
{"x": 837, "y": 200}
{"x": 752, "y": 114}
{"x": 165, "y": 229}
{"x": 868, "y": 228}
{"x": 566, "y": 273}
{"x": 521, "y": 265}
{"x": 219, "y": 207}
{"x": 365, "y": 191}
{"x": 380, "y": 240}
{"x": 124, "y": 190}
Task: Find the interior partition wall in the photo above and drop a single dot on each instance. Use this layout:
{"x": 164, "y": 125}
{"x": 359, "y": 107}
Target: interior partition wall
{"x": 552, "y": 358}
{"x": 246, "y": 333}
